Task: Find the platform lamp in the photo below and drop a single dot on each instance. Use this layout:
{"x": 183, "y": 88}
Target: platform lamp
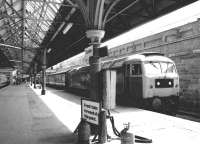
{"x": 67, "y": 28}
{"x": 49, "y": 50}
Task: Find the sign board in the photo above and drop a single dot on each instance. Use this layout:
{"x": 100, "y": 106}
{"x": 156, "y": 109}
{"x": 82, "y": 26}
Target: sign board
{"x": 90, "y": 111}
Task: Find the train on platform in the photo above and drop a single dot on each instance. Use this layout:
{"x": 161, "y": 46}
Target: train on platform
{"x": 147, "y": 80}
{"x": 4, "y": 80}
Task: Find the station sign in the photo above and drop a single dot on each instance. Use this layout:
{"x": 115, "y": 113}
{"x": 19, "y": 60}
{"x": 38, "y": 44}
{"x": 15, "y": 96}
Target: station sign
{"x": 90, "y": 111}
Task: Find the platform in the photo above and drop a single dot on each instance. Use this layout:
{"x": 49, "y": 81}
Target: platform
{"x": 27, "y": 117}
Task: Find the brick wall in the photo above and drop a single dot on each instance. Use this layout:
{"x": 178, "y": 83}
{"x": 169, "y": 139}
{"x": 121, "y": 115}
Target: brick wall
{"x": 182, "y": 44}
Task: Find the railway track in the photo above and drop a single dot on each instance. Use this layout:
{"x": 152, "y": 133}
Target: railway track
{"x": 194, "y": 116}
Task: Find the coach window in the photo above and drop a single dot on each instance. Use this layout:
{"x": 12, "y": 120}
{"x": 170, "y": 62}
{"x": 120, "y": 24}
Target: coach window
{"x": 128, "y": 70}
{"x": 136, "y": 69}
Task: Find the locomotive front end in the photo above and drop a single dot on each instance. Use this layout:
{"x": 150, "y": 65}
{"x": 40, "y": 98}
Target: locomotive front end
{"x": 161, "y": 84}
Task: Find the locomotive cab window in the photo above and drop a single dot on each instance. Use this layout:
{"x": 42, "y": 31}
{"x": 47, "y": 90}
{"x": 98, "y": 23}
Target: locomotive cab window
{"x": 159, "y": 67}
{"x": 135, "y": 69}
{"x": 128, "y": 70}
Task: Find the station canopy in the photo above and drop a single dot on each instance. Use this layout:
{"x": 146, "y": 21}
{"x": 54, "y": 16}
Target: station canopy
{"x": 23, "y": 26}
{"x": 27, "y": 26}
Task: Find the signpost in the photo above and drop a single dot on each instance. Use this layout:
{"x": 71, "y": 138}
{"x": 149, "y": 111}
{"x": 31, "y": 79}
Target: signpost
{"x": 90, "y": 111}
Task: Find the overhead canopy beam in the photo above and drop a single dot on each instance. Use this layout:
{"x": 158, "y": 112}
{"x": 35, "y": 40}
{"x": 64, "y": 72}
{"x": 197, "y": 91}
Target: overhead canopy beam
{"x": 19, "y": 61}
{"x": 10, "y": 46}
{"x": 16, "y": 60}
{"x": 26, "y": 18}
{"x": 106, "y": 20}
{"x": 16, "y": 47}
{"x": 53, "y": 2}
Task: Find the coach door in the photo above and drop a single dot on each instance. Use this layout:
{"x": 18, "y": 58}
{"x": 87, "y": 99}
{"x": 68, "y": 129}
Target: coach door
{"x": 133, "y": 82}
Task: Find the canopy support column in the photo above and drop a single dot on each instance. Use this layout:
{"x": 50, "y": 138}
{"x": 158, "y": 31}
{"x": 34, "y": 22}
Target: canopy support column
{"x": 44, "y": 73}
{"x": 35, "y": 72}
{"x": 96, "y": 86}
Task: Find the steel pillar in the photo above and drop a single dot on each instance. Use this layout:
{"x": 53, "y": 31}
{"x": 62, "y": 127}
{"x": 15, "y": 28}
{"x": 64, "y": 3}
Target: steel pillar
{"x": 44, "y": 72}
{"x": 31, "y": 79}
{"x": 96, "y": 90}
{"x": 95, "y": 16}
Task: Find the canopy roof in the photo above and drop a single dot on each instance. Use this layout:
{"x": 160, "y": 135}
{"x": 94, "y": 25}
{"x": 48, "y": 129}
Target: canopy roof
{"x": 27, "y": 26}
{"x": 23, "y": 26}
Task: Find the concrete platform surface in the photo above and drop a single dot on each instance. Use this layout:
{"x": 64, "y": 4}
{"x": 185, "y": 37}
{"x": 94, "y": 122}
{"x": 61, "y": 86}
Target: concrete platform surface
{"x": 27, "y": 117}
{"x": 162, "y": 129}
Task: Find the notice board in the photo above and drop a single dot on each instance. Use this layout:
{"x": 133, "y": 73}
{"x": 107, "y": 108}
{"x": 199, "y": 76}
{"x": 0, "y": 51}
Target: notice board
{"x": 90, "y": 111}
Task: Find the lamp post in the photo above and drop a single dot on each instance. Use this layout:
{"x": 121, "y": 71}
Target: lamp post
{"x": 31, "y": 77}
{"x": 35, "y": 72}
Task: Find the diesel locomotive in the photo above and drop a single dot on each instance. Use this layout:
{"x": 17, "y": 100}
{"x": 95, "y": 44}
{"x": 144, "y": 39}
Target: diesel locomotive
{"x": 147, "y": 80}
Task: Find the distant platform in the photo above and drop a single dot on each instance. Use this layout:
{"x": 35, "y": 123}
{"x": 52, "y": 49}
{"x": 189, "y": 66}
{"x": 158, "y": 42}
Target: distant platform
{"x": 25, "y": 119}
